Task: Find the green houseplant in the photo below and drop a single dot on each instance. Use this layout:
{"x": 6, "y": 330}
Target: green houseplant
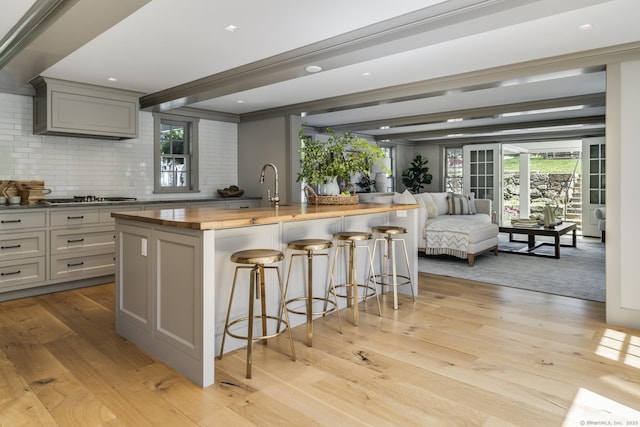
{"x": 338, "y": 158}
{"x": 417, "y": 174}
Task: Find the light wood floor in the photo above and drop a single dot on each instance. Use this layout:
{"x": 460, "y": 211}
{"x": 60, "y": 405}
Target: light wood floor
{"x": 464, "y": 354}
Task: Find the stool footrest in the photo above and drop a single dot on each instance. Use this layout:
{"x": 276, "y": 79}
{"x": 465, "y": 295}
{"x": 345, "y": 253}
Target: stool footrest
{"x": 370, "y": 291}
{"x": 313, "y": 313}
{"x": 380, "y": 280}
{"x": 257, "y": 337}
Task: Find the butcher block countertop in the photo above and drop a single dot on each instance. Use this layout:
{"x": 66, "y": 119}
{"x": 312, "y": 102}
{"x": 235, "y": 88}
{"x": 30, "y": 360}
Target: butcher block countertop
{"x": 219, "y": 218}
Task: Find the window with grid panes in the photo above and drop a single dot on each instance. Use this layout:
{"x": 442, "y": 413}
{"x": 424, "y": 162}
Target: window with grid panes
{"x": 175, "y": 154}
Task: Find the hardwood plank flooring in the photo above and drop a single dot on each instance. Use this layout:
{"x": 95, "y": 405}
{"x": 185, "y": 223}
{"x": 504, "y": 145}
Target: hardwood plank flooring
{"x": 464, "y": 354}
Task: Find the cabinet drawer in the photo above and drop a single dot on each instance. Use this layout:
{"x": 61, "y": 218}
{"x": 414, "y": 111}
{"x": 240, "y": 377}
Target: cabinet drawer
{"x": 23, "y": 245}
{"x": 20, "y": 220}
{"x": 21, "y": 273}
{"x": 74, "y": 217}
{"x": 69, "y": 267}
{"x": 82, "y": 240}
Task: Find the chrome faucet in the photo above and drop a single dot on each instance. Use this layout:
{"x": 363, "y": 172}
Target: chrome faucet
{"x": 275, "y": 200}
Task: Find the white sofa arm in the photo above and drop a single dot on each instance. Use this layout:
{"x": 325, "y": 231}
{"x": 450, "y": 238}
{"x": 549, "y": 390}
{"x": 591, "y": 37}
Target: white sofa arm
{"x": 483, "y": 206}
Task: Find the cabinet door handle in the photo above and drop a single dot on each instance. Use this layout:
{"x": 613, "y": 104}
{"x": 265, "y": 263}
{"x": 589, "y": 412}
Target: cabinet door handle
{"x": 75, "y": 217}
{"x": 10, "y": 273}
{"x": 10, "y": 247}
{"x": 75, "y": 264}
{"x": 75, "y": 240}
{"x": 10, "y": 221}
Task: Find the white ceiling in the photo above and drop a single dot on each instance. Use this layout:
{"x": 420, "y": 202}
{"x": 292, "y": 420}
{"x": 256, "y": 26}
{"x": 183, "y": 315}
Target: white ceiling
{"x": 436, "y": 56}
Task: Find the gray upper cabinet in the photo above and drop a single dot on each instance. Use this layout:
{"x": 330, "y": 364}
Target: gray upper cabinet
{"x": 74, "y": 109}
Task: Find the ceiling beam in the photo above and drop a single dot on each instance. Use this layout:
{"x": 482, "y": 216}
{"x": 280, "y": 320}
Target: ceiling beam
{"x": 442, "y": 133}
{"x": 591, "y": 100}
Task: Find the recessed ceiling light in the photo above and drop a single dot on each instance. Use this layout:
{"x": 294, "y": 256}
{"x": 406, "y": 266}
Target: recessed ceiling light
{"x": 367, "y": 74}
{"x": 112, "y": 79}
{"x": 313, "y": 69}
{"x": 240, "y": 101}
{"x": 457, "y": 119}
{"x": 231, "y": 28}
{"x": 384, "y": 127}
{"x": 585, "y": 27}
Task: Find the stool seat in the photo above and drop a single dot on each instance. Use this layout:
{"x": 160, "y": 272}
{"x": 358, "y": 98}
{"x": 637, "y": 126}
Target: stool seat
{"x": 310, "y": 244}
{"x": 389, "y": 229}
{"x": 257, "y": 256}
{"x": 353, "y": 235}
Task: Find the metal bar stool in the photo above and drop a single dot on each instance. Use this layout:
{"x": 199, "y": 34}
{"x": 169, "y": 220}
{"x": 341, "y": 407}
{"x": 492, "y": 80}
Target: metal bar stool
{"x": 348, "y": 240}
{"x": 310, "y": 247}
{"x": 257, "y": 258}
{"x": 386, "y": 278}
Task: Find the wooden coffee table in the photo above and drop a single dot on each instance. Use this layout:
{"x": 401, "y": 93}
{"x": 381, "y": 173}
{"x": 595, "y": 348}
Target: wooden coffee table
{"x": 532, "y": 232}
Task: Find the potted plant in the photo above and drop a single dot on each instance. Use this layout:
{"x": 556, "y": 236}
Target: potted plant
{"x": 338, "y": 158}
{"x": 417, "y": 175}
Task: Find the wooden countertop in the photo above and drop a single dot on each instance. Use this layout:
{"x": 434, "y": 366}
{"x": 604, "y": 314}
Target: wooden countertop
{"x": 219, "y": 218}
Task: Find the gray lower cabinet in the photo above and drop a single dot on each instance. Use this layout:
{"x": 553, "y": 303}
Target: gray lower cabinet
{"x": 22, "y": 250}
{"x": 51, "y": 246}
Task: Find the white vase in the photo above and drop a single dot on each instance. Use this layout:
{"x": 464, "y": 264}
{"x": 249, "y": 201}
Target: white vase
{"x": 330, "y": 188}
{"x": 381, "y": 182}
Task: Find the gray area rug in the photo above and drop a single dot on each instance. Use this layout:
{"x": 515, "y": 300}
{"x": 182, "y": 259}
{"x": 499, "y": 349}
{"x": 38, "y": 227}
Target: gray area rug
{"x": 579, "y": 273}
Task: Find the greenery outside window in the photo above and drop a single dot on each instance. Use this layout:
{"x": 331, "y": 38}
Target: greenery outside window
{"x": 176, "y": 154}
{"x": 453, "y": 170}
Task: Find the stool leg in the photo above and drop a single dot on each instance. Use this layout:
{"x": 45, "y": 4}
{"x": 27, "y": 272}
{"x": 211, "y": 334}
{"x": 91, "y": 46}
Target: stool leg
{"x": 406, "y": 258}
{"x": 309, "y": 298}
{"x": 263, "y": 303}
{"x": 391, "y": 250}
{"x": 353, "y": 279}
{"x": 226, "y": 321}
{"x": 286, "y": 315}
{"x": 252, "y": 295}
{"x": 332, "y": 287}
{"x": 375, "y": 284}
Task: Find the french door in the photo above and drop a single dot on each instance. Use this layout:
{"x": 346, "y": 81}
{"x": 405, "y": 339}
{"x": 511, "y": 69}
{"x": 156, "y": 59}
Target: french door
{"x": 593, "y": 183}
{"x": 482, "y": 173}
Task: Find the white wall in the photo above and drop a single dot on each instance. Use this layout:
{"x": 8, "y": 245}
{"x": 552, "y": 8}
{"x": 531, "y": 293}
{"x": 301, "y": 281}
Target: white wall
{"x": 83, "y": 166}
{"x": 623, "y": 233}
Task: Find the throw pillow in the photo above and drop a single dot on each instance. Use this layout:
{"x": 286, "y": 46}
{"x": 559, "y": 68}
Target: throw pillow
{"x": 432, "y": 209}
{"x": 406, "y": 198}
{"x": 458, "y": 204}
{"x": 472, "y": 203}
{"x": 440, "y": 199}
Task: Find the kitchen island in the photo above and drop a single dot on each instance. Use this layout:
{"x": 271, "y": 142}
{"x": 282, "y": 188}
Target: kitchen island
{"x": 173, "y": 274}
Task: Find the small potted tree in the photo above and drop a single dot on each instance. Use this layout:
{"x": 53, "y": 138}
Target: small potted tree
{"x": 324, "y": 163}
{"x": 417, "y": 175}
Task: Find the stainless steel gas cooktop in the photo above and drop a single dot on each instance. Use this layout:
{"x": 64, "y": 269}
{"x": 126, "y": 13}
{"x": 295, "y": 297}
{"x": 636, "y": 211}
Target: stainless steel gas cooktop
{"x": 88, "y": 199}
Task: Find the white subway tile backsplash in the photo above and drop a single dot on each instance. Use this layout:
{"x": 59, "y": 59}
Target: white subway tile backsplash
{"x": 81, "y": 166}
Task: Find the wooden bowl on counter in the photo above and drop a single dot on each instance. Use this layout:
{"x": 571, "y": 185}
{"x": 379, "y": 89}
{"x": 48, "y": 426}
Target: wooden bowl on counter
{"x": 227, "y": 193}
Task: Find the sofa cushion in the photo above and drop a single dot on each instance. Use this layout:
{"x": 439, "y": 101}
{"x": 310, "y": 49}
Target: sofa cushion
{"x": 440, "y": 199}
{"x": 459, "y": 204}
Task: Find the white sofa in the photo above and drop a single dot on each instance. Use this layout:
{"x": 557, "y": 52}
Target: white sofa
{"x": 465, "y": 233}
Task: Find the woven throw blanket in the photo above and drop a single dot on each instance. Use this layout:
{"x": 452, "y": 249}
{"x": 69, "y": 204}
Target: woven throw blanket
{"x": 449, "y": 237}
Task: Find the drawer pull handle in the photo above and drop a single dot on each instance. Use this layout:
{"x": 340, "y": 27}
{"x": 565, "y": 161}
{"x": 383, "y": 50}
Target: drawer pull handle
{"x": 75, "y": 264}
{"x": 75, "y": 240}
{"x": 10, "y": 273}
{"x": 10, "y": 221}
{"x": 10, "y": 247}
{"x": 75, "y": 217}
